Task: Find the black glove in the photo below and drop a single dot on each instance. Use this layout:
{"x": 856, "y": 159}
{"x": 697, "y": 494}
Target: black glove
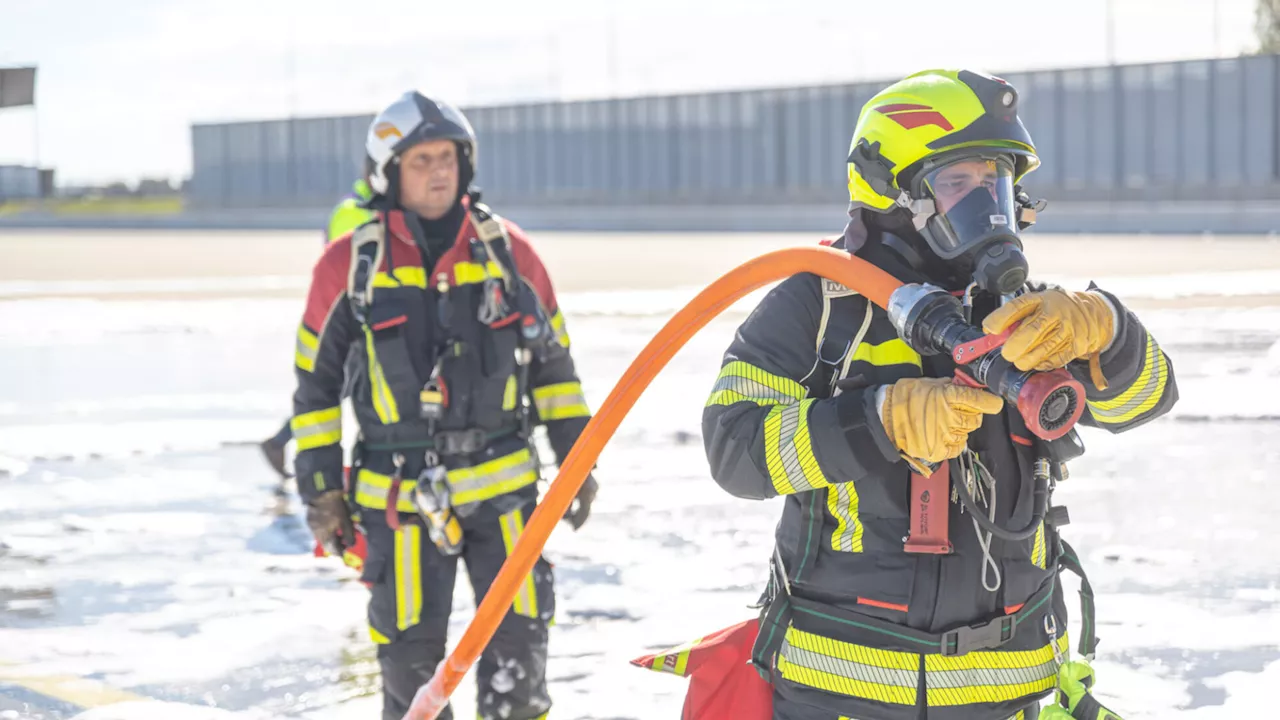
{"x": 580, "y": 508}
{"x": 330, "y": 521}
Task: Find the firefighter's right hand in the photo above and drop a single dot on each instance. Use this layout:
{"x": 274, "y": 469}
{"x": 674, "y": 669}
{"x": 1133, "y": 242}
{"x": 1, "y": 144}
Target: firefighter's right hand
{"x": 930, "y": 418}
{"x": 330, "y": 521}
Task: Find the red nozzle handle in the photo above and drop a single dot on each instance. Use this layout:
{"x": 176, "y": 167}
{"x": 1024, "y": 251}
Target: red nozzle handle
{"x": 967, "y": 352}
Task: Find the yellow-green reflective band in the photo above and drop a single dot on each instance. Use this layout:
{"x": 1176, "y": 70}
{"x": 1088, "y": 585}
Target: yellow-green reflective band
{"x": 561, "y": 401}
{"x": 317, "y": 428}
{"x": 557, "y": 324}
{"x": 1140, "y": 397}
{"x": 384, "y": 403}
{"x": 305, "y": 350}
{"x": 742, "y": 382}
{"x": 889, "y": 352}
{"x": 788, "y": 452}
{"x": 408, "y": 573}
{"x": 402, "y": 277}
{"x": 493, "y": 478}
{"x": 467, "y": 273}
{"x": 526, "y": 602}
{"x": 842, "y": 502}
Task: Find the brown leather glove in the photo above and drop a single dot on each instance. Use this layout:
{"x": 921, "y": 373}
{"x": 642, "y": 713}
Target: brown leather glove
{"x": 580, "y": 508}
{"x": 930, "y": 419}
{"x": 330, "y": 521}
{"x": 1057, "y": 327}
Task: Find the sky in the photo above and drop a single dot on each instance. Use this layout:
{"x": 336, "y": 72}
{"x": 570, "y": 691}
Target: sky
{"x": 120, "y": 83}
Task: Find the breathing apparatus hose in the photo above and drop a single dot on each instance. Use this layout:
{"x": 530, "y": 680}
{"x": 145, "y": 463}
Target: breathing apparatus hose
{"x": 1040, "y": 503}
{"x": 853, "y": 272}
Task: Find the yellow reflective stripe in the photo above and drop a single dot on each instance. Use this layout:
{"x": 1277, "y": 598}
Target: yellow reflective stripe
{"x": 889, "y": 352}
{"x": 891, "y": 676}
{"x": 739, "y": 381}
{"x": 493, "y": 478}
{"x": 372, "y": 489}
{"x": 509, "y": 394}
{"x": 317, "y": 428}
{"x": 675, "y": 660}
{"x": 467, "y": 273}
{"x": 1038, "y": 549}
{"x": 557, "y": 324}
{"x": 526, "y": 602}
{"x": 561, "y": 401}
{"x": 1141, "y": 396}
{"x": 895, "y": 686}
{"x": 377, "y": 637}
{"x": 842, "y": 502}
{"x": 305, "y": 350}
{"x": 402, "y": 277}
{"x": 788, "y": 452}
{"x": 467, "y": 485}
{"x": 384, "y": 403}
{"x": 408, "y": 576}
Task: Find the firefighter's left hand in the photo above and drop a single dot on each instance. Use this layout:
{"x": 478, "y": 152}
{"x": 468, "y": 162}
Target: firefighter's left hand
{"x": 581, "y": 506}
{"x": 1056, "y": 327}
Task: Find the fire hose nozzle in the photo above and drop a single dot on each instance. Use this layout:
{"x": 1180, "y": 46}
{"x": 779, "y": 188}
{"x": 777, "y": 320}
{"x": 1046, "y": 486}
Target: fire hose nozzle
{"x": 932, "y": 321}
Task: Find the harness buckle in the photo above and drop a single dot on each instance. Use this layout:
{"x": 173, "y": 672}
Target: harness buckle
{"x": 456, "y": 442}
{"x": 988, "y": 636}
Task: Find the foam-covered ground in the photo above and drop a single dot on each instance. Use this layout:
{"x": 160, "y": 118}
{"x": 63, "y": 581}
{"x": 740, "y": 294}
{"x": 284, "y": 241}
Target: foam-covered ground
{"x": 149, "y": 567}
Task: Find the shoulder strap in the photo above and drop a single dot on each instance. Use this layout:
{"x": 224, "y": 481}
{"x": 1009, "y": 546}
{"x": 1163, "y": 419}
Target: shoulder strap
{"x": 493, "y": 234}
{"x": 367, "y": 249}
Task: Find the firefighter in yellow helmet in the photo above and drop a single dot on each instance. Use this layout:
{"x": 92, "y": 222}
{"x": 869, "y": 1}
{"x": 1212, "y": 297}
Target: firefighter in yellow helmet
{"x": 820, "y": 399}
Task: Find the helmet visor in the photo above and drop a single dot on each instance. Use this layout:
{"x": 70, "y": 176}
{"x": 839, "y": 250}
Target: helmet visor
{"x": 974, "y": 200}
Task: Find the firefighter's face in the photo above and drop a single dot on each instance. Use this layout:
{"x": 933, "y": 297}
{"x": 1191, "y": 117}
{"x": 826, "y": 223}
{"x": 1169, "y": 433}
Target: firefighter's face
{"x": 957, "y": 180}
{"x": 429, "y": 178}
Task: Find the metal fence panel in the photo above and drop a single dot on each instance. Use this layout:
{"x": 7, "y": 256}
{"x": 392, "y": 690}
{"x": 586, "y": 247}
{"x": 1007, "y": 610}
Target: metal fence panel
{"x": 1166, "y": 104}
{"x": 1104, "y": 128}
{"x": 1038, "y": 104}
{"x": 1261, "y": 120}
{"x": 1136, "y": 122}
{"x": 1075, "y": 111}
{"x": 1196, "y": 117}
{"x": 209, "y": 166}
{"x": 1227, "y": 122}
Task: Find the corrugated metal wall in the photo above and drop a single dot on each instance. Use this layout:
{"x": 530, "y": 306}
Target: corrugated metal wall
{"x": 1198, "y": 130}
{"x": 18, "y": 182}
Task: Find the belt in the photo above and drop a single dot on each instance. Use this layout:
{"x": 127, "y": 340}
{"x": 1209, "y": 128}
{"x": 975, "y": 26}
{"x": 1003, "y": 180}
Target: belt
{"x": 447, "y": 442}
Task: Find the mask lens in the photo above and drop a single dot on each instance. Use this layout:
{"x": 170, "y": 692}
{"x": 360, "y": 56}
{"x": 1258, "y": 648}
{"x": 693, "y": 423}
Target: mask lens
{"x": 974, "y": 200}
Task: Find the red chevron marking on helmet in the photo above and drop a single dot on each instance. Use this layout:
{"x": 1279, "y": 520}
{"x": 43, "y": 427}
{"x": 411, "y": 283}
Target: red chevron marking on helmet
{"x": 911, "y": 116}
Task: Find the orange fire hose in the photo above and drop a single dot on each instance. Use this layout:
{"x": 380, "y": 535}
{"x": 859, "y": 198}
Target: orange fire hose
{"x": 852, "y": 272}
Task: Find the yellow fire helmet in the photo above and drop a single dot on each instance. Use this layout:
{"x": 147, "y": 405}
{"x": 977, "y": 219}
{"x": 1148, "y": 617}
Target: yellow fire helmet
{"x": 927, "y": 120}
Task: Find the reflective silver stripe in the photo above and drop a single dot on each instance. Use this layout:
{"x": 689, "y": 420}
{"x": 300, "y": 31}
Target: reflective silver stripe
{"x": 306, "y": 353}
{"x": 849, "y": 669}
{"x": 1155, "y": 368}
{"x": 849, "y": 532}
{"x": 790, "y": 419}
{"x": 987, "y": 677}
{"x": 473, "y": 479}
{"x": 320, "y": 428}
{"x": 553, "y": 402}
{"x": 759, "y": 392}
